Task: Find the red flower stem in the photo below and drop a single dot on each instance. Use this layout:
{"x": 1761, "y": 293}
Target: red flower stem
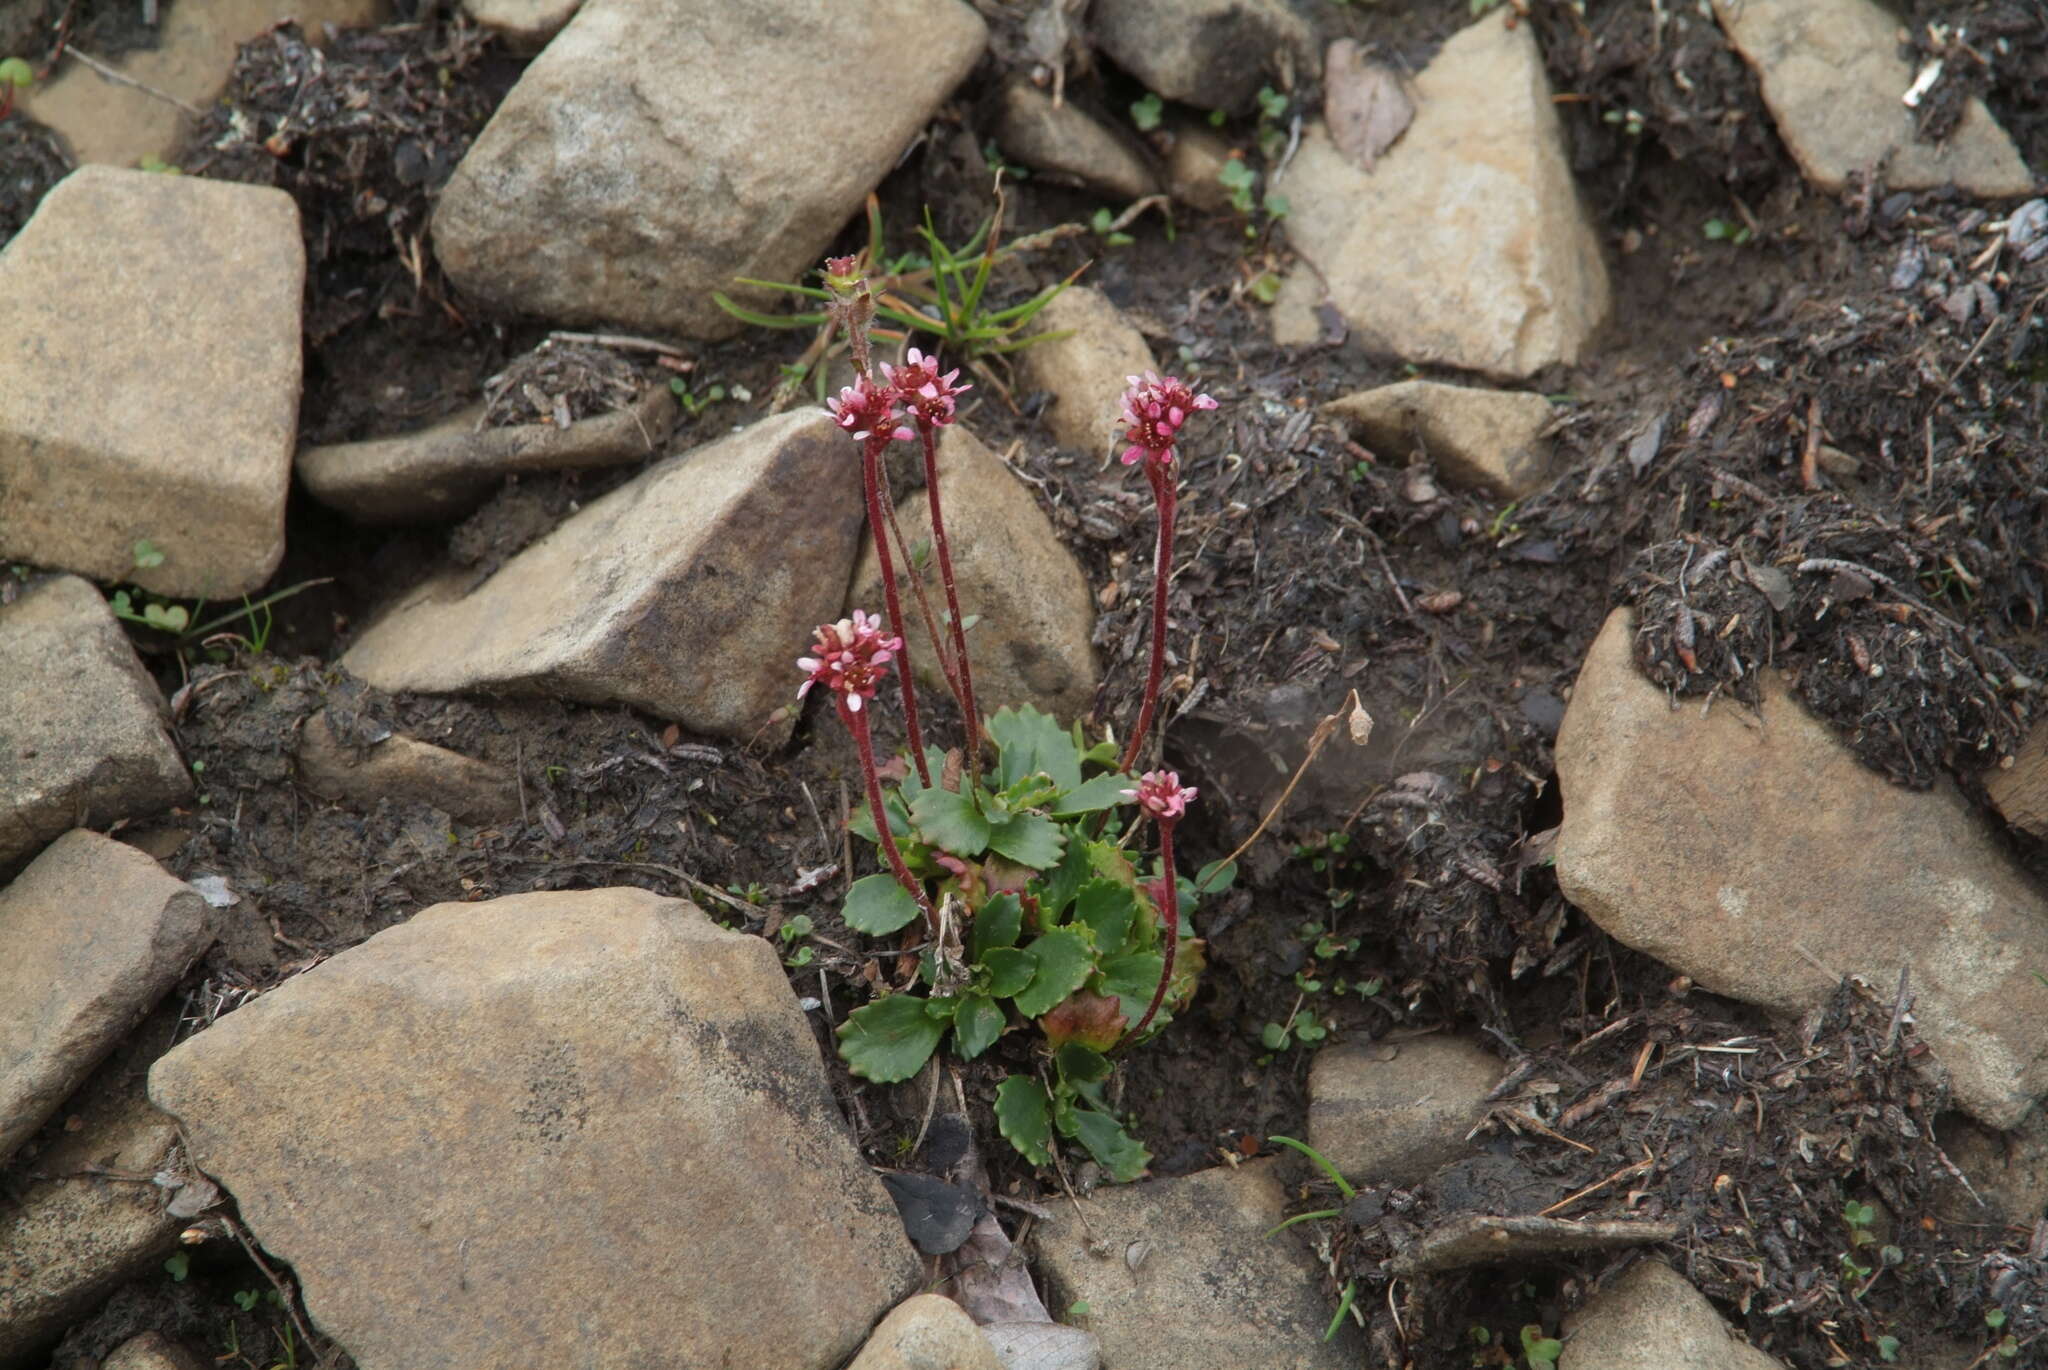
{"x": 857, "y": 723}
{"x": 924, "y": 604}
{"x": 945, "y": 552}
{"x": 1161, "y": 476}
{"x": 1171, "y": 916}
{"x": 870, "y": 460}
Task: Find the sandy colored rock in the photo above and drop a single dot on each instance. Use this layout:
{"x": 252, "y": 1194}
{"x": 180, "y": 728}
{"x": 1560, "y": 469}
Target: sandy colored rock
{"x": 445, "y": 470}
{"x": 1742, "y": 849}
{"x": 929, "y": 1332}
{"x": 659, "y": 148}
{"x": 109, "y": 122}
{"x": 1210, "y": 1291}
{"x": 1086, "y": 371}
{"x": 1214, "y": 54}
{"x": 1465, "y": 245}
{"x": 1493, "y": 1239}
{"x": 1032, "y": 643}
{"x": 523, "y": 25}
{"x": 1487, "y": 440}
{"x": 1192, "y": 168}
{"x": 1653, "y": 1319}
{"x": 152, "y": 1351}
{"x": 679, "y": 593}
{"x": 2020, "y": 791}
{"x": 92, "y": 934}
{"x": 404, "y": 768}
{"x": 1067, "y": 143}
{"x": 2008, "y": 1172}
{"x": 66, "y": 1243}
{"x": 82, "y": 736}
{"x": 150, "y": 366}
{"x": 389, "y": 1120}
{"x": 1391, "y": 1114}
{"x": 1832, "y": 76}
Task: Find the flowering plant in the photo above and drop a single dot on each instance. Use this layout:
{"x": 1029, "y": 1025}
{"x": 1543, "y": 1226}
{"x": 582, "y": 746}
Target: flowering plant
{"x": 1009, "y": 867}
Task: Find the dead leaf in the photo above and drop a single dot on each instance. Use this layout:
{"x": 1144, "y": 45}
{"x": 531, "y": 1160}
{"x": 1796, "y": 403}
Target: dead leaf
{"x": 990, "y": 1279}
{"x": 1365, "y": 103}
{"x": 1043, "y": 1346}
{"x": 1093, "y": 1020}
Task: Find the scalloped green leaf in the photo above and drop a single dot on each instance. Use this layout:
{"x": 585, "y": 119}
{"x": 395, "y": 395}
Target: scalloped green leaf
{"x": 1107, "y": 861}
{"x": 1133, "y": 978}
{"x": 877, "y": 905}
{"x": 1063, "y": 961}
{"x": 949, "y": 820}
{"x": 1080, "y": 1065}
{"x": 1024, "y": 1116}
{"x": 977, "y": 1024}
{"x": 890, "y": 1039}
{"x": 1107, "y": 908}
{"x": 1029, "y": 742}
{"x": 1009, "y": 970}
{"x": 998, "y": 924}
{"x": 1029, "y": 839}
{"x": 1056, "y": 888}
{"x": 1104, "y": 791}
{"x": 1114, "y": 1149}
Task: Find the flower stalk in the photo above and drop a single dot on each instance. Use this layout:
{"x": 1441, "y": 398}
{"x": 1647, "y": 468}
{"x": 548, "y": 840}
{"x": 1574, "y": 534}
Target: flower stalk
{"x": 1161, "y": 796}
{"x": 857, "y": 724}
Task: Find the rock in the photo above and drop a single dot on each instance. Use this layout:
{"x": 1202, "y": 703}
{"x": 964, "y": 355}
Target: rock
{"x": 1066, "y": 143}
{"x": 1189, "y": 1280}
{"x": 92, "y": 934}
{"x": 109, "y": 122}
{"x": 1214, "y": 54}
{"x": 1494, "y": 1239}
{"x": 1393, "y": 1114}
{"x": 929, "y": 1332}
{"x": 523, "y": 25}
{"x": 1192, "y": 168}
{"x": 1028, "y": 1345}
{"x": 82, "y": 739}
{"x": 165, "y": 409}
{"x": 152, "y": 1351}
{"x": 1832, "y": 76}
{"x": 444, "y": 471}
{"x": 66, "y": 1242}
{"x": 639, "y": 1080}
{"x": 1085, "y": 372}
{"x": 404, "y": 768}
{"x": 1465, "y": 245}
{"x": 1748, "y": 851}
{"x": 2020, "y": 789}
{"x": 1653, "y": 1319}
{"x": 1032, "y": 643}
{"x": 605, "y": 189}
{"x": 684, "y": 592}
{"x": 1488, "y": 440}
{"x": 2007, "y": 1171}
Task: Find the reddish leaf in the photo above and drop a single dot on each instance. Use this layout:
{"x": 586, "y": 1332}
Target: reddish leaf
{"x": 1093, "y": 1020}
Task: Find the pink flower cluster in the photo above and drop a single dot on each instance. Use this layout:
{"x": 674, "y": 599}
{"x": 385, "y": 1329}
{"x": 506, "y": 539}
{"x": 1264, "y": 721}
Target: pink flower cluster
{"x": 852, "y": 658}
{"x": 1154, "y": 408}
{"x": 865, "y": 407}
{"x": 1161, "y": 794}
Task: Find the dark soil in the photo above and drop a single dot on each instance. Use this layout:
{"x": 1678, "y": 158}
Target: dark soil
{"x": 1819, "y": 449}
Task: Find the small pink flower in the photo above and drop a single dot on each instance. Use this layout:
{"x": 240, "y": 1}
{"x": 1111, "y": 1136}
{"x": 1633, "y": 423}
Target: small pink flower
{"x": 1153, "y": 411}
{"x": 918, "y": 384}
{"x": 850, "y": 657}
{"x": 1161, "y": 794}
{"x": 865, "y": 408}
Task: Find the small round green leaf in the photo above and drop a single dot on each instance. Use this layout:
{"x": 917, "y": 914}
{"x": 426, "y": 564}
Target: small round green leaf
{"x": 1023, "y": 1115}
{"x": 976, "y": 1025}
{"x": 1009, "y": 970}
{"x": 1064, "y": 961}
{"x": 877, "y": 905}
{"x": 890, "y": 1039}
{"x": 1114, "y": 1149}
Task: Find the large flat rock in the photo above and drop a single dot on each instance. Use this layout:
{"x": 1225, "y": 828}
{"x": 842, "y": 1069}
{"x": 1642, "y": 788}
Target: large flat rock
{"x": 586, "y": 1129}
{"x": 150, "y": 374}
{"x": 686, "y": 592}
{"x": 1465, "y": 244}
{"x": 1750, "y": 851}
{"x": 659, "y": 148}
{"x": 1385, "y": 1114}
{"x": 82, "y": 734}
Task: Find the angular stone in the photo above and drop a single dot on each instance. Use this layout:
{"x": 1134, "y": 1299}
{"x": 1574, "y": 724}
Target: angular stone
{"x": 1749, "y": 851}
{"x": 106, "y": 121}
{"x": 1465, "y": 245}
{"x": 1386, "y": 1114}
{"x": 523, "y": 25}
{"x": 1086, "y": 371}
{"x": 1653, "y": 1319}
{"x": 152, "y": 1351}
{"x": 1487, "y": 440}
{"x": 444, "y": 471}
{"x": 1188, "y": 1279}
{"x": 2007, "y": 1172}
{"x": 82, "y": 738}
{"x": 1032, "y": 643}
{"x": 1490, "y": 1239}
{"x": 404, "y": 768}
{"x": 1832, "y": 76}
{"x": 606, "y": 188}
{"x": 1065, "y": 142}
{"x": 680, "y": 592}
{"x": 606, "y": 1064}
{"x": 1214, "y": 54}
{"x": 66, "y": 1242}
{"x": 92, "y": 934}
{"x": 160, "y": 402}
{"x": 2019, "y": 787}
{"x": 929, "y": 1332}
{"x": 1193, "y": 169}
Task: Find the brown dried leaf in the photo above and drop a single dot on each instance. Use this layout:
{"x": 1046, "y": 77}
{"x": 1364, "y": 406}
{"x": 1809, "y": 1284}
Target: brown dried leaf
{"x": 1365, "y": 103}
{"x": 1093, "y": 1020}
